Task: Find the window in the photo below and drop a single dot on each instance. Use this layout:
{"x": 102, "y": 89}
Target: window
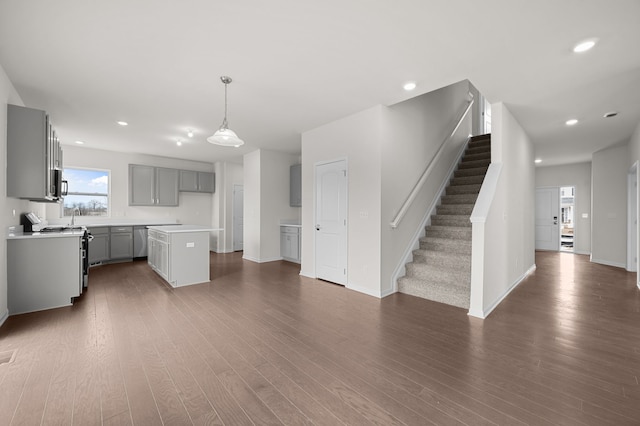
{"x": 88, "y": 192}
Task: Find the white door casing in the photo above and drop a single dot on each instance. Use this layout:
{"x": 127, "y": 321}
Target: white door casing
{"x": 238, "y": 217}
{"x": 548, "y": 218}
{"x": 632, "y": 219}
{"x": 331, "y": 221}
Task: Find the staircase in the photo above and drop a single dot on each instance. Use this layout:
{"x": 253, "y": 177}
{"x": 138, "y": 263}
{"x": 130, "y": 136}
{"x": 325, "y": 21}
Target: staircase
{"x": 441, "y": 267}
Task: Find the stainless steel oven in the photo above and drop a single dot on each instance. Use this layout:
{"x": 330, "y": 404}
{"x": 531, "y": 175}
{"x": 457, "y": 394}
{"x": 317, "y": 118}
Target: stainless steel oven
{"x": 86, "y": 238}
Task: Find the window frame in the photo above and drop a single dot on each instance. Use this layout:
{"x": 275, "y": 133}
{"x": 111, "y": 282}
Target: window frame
{"x": 108, "y": 194}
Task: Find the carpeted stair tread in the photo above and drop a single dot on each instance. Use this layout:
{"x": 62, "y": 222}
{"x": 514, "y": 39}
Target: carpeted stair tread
{"x": 455, "y": 209}
{"x": 459, "y": 199}
{"x": 452, "y": 232}
{"x": 472, "y": 164}
{"x": 467, "y": 180}
{"x": 477, "y": 150}
{"x": 457, "y": 261}
{"x": 463, "y": 189}
{"x": 451, "y": 220}
{"x": 473, "y": 156}
{"x": 446, "y": 244}
{"x": 438, "y": 274}
{"x": 454, "y": 296}
{"x": 480, "y": 138}
{"x": 477, "y": 171}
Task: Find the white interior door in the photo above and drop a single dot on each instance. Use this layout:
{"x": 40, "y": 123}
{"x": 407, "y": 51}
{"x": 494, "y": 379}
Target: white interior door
{"x": 547, "y": 219}
{"x": 238, "y": 217}
{"x": 486, "y": 115}
{"x": 331, "y": 222}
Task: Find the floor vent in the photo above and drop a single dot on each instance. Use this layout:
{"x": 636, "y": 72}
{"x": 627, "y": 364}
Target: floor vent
{"x": 7, "y": 357}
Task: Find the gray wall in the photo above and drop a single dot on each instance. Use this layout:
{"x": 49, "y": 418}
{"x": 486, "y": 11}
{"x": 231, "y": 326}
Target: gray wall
{"x": 579, "y": 176}
{"x": 609, "y": 206}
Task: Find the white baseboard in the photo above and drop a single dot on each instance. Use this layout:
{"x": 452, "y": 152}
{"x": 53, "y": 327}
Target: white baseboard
{"x": 609, "y": 263}
{"x": 586, "y": 253}
{"x": 485, "y": 313}
{"x": 307, "y": 274}
{"x": 256, "y": 260}
{"x": 4, "y": 317}
{"x": 364, "y": 290}
{"x": 222, "y": 251}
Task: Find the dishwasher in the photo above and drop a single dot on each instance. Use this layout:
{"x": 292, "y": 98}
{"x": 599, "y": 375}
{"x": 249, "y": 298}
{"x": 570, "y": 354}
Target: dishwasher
{"x": 140, "y": 241}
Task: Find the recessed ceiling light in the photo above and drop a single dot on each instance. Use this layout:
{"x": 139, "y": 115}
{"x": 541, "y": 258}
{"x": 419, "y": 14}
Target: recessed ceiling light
{"x": 611, "y": 114}
{"x": 123, "y": 123}
{"x": 409, "y": 86}
{"x": 537, "y": 160}
{"x": 80, "y": 142}
{"x": 190, "y": 133}
{"x": 571, "y": 122}
{"x": 179, "y": 142}
{"x": 584, "y": 45}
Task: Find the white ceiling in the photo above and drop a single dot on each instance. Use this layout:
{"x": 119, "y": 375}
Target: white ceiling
{"x": 298, "y": 64}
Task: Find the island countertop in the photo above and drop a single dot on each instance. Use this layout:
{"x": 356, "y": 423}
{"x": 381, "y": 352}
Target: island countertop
{"x": 174, "y": 229}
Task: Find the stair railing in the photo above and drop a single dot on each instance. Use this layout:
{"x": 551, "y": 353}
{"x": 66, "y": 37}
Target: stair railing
{"x": 425, "y": 175}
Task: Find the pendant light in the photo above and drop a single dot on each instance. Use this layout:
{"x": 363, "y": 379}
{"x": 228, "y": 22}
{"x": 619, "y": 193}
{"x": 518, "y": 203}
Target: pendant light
{"x": 225, "y": 136}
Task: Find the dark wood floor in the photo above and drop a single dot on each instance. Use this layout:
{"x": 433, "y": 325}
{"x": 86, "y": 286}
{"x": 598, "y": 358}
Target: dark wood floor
{"x": 261, "y": 345}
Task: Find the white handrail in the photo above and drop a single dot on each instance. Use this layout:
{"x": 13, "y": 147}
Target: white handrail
{"x": 418, "y": 186}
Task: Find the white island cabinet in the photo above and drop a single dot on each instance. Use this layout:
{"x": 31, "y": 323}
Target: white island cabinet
{"x": 179, "y": 253}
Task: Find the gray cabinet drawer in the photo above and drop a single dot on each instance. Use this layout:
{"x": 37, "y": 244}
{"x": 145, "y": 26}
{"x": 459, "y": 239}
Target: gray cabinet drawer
{"x": 290, "y": 229}
{"x": 121, "y": 229}
{"x": 99, "y": 230}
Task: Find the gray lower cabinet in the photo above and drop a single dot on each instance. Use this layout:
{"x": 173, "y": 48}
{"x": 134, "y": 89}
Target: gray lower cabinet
{"x": 153, "y": 186}
{"x": 99, "y": 245}
{"x": 295, "y": 185}
{"x": 43, "y": 273}
{"x": 192, "y": 181}
{"x": 290, "y": 243}
{"x": 121, "y": 246}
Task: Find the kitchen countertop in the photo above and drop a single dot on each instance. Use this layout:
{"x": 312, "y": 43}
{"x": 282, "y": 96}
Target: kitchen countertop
{"x": 130, "y": 223}
{"x": 173, "y": 229}
{"x": 69, "y": 233}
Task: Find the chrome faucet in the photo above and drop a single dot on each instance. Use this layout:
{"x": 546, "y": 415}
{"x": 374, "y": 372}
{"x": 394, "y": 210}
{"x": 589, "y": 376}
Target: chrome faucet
{"x": 73, "y": 216}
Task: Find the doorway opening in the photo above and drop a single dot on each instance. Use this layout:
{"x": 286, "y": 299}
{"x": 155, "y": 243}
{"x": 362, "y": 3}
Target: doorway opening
{"x": 567, "y": 215}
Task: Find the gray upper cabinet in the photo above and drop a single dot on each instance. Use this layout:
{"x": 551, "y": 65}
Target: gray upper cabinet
{"x": 295, "y": 185}
{"x": 167, "y": 186}
{"x": 188, "y": 180}
{"x": 192, "y": 181}
{"x": 152, "y": 186}
{"x": 34, "y": 155}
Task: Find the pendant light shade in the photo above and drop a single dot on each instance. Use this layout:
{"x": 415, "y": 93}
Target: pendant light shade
{"x": 225, "y": 136}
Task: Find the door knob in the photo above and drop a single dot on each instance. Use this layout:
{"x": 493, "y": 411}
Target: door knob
{"x": 555, "y": 220}
{"x": 317, "y": 227}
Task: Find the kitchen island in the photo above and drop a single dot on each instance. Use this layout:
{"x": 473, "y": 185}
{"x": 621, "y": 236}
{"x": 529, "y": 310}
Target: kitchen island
{"x": 180, "y": 253}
